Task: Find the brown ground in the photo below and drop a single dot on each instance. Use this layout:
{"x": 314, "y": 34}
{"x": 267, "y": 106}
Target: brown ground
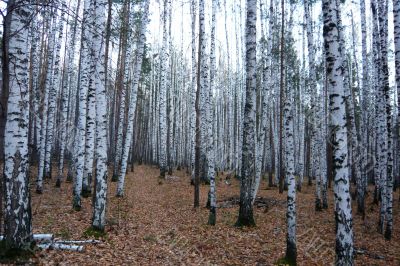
{"x": 155, "y": 224}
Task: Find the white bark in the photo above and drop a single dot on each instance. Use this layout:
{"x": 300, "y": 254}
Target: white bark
{"x": 210, "y": 134}
{"x": 164, "y": 59}
{"x": 47, "y": 87}
{"x": 291, "y": 249}
{"x": 125, "y": 65}
{"x": 248, "y": 152}
{"x": 193, "y": 87}
{"x": 132, "y": 104}
{"x": 343, "y": 213}
{"x": 260, "y": 145}
{"x": 364, "y": 108}
{"x": 67, "y": 87}
{"x": 35, "y": 65}
{"x": 82, "y": 104}
{"x": 17, "y": 214}
{"x": 386, "y": 121}
{"x": 53, "y": 91}
{"x": 396, "y": 18}
{"x": 60, "y": 246}
{"x": 90, "y": 116}
{"x": 100, "y": 199}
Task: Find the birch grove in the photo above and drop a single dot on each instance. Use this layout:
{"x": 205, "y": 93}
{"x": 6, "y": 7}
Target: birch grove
{"x": 255, "y": 98}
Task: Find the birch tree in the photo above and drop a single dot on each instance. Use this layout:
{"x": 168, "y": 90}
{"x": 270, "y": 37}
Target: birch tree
{"x": 386, "y": 121}
{"x": 365, "y": 90}
{"x": 58, "y": 27}
{"x": 163, "y": 93}
{"x": 132, "y": 104}
{"x": 17, "y": 215}
{"x": 343, "y": 213}
{"x": 100, "y": 199}
{"x": 396, "y": 22}
{"x": 121, "y": 86}
{"x": 210, "y": 150}
{"x": 200, "y": 87}
{"x": 248, "y": 149}
{"x": 43, "y": 167}
{"x": 291, "y": 249}
{"x": 260, "y": 145}
{"x": 193, "y": 88}
{"x": 90, "y": 122}
{"x": 68, "y": 75}
{"x": 82, "y": 103}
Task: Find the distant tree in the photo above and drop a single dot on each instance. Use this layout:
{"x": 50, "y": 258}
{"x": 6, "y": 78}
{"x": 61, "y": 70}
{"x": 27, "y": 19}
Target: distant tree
{"x": 133, "y": 96}
{"x": 201, "y": 80}
{"x": 163, "y": 92}
{"x": 210, "y": 134}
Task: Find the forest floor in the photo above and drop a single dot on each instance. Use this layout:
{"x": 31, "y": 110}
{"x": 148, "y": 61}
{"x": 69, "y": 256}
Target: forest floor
{"x": 155, "y": 224}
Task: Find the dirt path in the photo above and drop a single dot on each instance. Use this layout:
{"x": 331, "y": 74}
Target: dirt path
{"x": 155, "y": 224}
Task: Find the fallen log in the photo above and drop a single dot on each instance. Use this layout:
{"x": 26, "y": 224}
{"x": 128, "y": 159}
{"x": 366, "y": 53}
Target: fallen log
{"x": 47, "y": 241}
{"x": 59, "y": 246}
{"x": 43, "y": 237}
{"x": 90, "y": 241}
{"x": 39, "y": 237}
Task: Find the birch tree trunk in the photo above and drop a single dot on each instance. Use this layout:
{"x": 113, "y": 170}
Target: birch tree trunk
{"x": 365, "y": 90}
{"x": 91, "y": 112}
{"x": 248, "y": 153}
{"x": 100, "y": 198}
{"x": 17, "y": 215}
{"x": 35, "y": 66}
{"x": 132, "y": 104}
{"x": 396, "y": 22}
{"x": 343, "y": 213}
{"x": 291, "y": 249}
{"x": 53, "y": 90}
{"x": 387, "y": 185}
{"x": 193, "y": 89}
{"x": 210, "y": 137}
{"x": 264, "y": 111}
{"x": 122, "y": 87}
{"x": 170, "y": 96}
{"x": 316, "y": 137}
{"x": 45, "y": 105}
{"x": 198, "y": 104}
{"x": 163, "y": 94}
{"x": 82, "y": 103}
{"x": 66, "y": 88}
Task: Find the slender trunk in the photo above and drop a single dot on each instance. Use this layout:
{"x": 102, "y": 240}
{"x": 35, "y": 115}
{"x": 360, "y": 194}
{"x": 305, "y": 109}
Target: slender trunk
{"x": 164, "y": 59}
{"x": 264, "y": 111}
{"x": 199, "y": 94}
{"x": 47, "y": 87}
{"x": 248, "y": 169}
{"x": 210, "y": 152}
{"x": 387, "y": 184}
{"x": 53, "y": 92}
{"x": 193, "y": 91}
{"x": 100, "y": 198}
{"x": 64, "y": 102}
{"x": 281, "y": 100}
{"x": 133, "y": 98}
{"x": 82, "y": 104}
